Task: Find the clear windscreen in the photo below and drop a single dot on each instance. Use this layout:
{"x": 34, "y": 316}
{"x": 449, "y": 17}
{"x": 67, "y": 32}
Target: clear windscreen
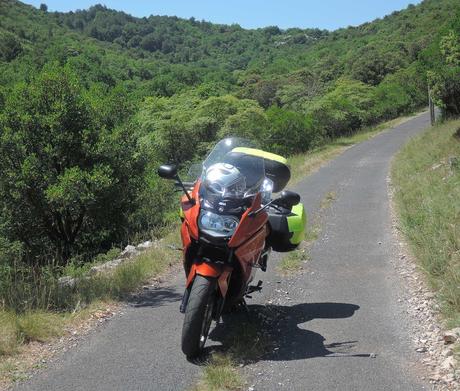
{"x": 229, "y": 172}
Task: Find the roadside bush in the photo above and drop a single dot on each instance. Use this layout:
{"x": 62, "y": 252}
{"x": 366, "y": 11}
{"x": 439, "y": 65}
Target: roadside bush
{"x": 391, "y": 100}
{"x": 66, "y": 192}
{"x": 290, "y": 132}
{"x": 444, "y": 78}
{"x": 344, "y": 109}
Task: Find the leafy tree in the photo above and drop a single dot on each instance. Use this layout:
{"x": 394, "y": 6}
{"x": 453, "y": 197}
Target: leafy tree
{"x": 263, "y": 91}
{"x": 344, "y": 109}
{"x": 299, "y": 89}
{"x": 290, "y": 132}
{"x": 371, "y": 66}
{"x": 68, "y": 178}
{"x": 250, "y": 123}
{"x": 445, "y": 78}
{"x": 10, "y": 47}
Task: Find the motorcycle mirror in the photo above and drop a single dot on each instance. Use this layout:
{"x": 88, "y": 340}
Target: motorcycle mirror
{"x": 288, "y": 199}
{"x": 167, "y": 171}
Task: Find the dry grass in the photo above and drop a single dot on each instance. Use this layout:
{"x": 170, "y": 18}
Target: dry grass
{"x": 9, "y": 338}
{"x": 426, "y": 176}
{"x": 19, "y": 357}
{"x": 328, "y": 200}
{"x": 89, "y": 298}
{"x": 16, "y": 329}
{"x": 292, "y": 261}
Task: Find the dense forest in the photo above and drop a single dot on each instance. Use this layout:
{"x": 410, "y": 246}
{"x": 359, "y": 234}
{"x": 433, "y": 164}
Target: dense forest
{"x": 92, "y": 101}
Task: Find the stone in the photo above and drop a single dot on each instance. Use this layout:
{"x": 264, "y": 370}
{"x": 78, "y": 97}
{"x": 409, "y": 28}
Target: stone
{"x": 67, "y": 282}
{"x": 144, "y": 245}
{"x": 448, "y": 363}
{"x": 449, "y": 337}
{"x": 128, "y": 252}
{"x": 105, "y": 266}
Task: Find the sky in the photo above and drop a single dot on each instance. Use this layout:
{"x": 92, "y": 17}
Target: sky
{"x": 324, "y": 14}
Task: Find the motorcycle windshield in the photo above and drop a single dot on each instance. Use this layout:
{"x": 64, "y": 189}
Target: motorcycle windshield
{"x": 232, "y": 171}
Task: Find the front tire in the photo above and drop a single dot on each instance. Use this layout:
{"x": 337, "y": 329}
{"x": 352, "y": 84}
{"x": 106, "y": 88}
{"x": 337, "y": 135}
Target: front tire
{"x": 198, "y": 315}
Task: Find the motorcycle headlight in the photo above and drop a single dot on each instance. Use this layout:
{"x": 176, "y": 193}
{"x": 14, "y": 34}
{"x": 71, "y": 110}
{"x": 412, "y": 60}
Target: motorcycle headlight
{"x": 220, "y": 224}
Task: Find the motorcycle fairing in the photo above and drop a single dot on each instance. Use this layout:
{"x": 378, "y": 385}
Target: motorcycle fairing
{"x": 248, "y": 241}
{"x": 222, "y": 273}
{"x": 249, "y": 225}
{"x": 191, "y": 212}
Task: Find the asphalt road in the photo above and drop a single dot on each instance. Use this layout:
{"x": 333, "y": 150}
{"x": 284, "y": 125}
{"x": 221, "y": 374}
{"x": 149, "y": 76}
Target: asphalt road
{"x": 342, "y": 326}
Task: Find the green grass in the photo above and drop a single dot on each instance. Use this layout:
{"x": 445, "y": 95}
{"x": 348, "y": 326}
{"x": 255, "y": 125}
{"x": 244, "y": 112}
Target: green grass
{"x": 220, "y": 374}
{"x": 247, "y": 341}
{"x": 78, "y": 269}
{"x": 39, "y": 326}
{"x": 292, "y": 261}
{"x": 426, "y": 177}
{"x": 9, "y": 336}
{"x": 126, "y": 278}
{"x": 16, "y": 329}
{"x": 77, "y": 304}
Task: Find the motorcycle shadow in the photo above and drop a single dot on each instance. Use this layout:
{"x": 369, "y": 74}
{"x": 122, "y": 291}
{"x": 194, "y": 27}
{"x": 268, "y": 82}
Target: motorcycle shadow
{"x": 155, "y": 297}
{"x": 272, "y": 332}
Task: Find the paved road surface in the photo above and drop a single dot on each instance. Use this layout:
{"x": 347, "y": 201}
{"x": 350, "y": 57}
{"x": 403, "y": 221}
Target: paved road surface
{"x": 343, "y": 330}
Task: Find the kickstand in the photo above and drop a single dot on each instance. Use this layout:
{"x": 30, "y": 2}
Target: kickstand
{"x": 244, "y": 305}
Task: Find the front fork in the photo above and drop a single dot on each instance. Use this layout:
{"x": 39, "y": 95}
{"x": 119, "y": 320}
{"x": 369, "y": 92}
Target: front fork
{"x": 220, "y": 272}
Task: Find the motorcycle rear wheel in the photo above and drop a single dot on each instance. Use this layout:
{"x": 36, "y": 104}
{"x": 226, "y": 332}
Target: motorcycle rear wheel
{"x": 198, "y": 315}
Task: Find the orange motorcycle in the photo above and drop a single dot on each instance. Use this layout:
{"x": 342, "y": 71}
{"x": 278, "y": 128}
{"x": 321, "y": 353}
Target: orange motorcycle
{"x": 230, "y": 223}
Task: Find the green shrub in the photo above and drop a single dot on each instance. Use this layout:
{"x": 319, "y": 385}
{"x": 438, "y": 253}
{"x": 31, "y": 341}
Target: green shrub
{"x": 290, "y": 132}
{"x": 67, "y": 192}
{"x": 344, "y": 109}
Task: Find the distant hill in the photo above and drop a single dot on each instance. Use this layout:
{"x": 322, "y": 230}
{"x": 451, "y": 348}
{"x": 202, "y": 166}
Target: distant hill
{"x": 120, "y": 47}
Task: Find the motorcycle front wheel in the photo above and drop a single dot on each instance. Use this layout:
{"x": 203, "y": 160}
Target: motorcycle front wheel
{"x": 198, "y": 315}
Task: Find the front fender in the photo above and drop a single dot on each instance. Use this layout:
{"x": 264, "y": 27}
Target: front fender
{"x": 222, "y": 273}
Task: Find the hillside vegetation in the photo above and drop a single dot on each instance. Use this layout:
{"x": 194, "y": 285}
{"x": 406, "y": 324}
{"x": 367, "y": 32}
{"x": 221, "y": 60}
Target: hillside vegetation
{"x": 91, "y": 102}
